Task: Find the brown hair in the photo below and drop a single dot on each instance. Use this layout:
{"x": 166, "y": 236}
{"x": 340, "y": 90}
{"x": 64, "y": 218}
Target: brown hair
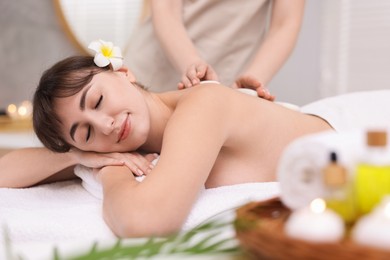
{"x": 66, "y": 78}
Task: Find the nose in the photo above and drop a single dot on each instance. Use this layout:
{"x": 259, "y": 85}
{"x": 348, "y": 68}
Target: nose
{"x": 103, "y": 123}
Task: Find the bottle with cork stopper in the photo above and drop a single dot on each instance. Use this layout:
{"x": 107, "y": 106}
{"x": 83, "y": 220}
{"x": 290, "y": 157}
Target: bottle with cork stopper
{"x": 372, "y": 180}
{"x": 339, "y": 189}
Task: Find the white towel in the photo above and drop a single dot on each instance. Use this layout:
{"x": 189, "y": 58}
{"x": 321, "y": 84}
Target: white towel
{"x": 67, "y": 216}
{"x": 301, "y": 164}
{"x": 367, "y": 109}
{"x": 210, "y": 201}
{"x": 90, "y": 181}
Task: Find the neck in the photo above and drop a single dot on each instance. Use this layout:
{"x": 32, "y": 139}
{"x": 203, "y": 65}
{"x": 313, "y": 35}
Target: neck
{"x": 160, "y": 110}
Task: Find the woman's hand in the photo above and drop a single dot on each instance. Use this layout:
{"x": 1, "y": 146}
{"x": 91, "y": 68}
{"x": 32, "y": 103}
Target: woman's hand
{"x": 195, "y": 73}
{"x": 139, "y": 164}
{"x": 248, "y": 81}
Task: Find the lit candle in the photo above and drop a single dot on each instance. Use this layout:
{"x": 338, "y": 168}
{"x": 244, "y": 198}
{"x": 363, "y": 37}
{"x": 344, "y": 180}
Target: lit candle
{"x": 23, "y": 111}
{"x": 315, "y": 223}
{"x": 12, "y": 111}
{"x": 374, "y": 228}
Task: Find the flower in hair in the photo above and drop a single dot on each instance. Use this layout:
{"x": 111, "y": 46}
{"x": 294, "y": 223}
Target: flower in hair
{"x": 106, "y": 53}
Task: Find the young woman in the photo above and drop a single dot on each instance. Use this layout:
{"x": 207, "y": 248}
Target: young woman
{"x": 206, "y": 136}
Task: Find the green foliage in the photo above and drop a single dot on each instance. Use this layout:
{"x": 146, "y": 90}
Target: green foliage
{"x": 215, "y": 237}
{"x": 204, "y": 239}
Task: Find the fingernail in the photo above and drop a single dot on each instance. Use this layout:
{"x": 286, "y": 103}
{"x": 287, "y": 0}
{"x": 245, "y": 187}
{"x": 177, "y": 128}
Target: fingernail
{"x": 140, "y": 172}
{"x": 261, "y": 91}
{"x": 151, "y": 166}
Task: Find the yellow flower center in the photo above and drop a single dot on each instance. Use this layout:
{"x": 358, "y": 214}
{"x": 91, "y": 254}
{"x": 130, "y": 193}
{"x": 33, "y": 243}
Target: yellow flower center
{"x": 106, "y": 51}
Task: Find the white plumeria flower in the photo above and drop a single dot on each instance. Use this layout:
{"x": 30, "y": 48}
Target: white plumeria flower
{"x": 106, "y": 53}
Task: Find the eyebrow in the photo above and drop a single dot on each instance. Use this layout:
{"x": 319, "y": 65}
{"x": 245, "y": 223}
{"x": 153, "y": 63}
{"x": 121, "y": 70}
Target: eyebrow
{"x": 83, "y": 95}
{"x": 82, "y": 107}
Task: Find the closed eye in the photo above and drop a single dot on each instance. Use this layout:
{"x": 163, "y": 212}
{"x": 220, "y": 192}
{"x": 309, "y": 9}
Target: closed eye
{"x": 89, "y": 127}
{"x": 99, "y": 102}
{"x": 88, "y": 133}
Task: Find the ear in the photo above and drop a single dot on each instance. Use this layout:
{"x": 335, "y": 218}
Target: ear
{"x": 127, "y": 72}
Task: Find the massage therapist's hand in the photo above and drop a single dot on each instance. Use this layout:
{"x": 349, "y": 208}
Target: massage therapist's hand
{"x": 248, "y": 81}
{"x": 139, "y": 164}
{"x": 195, "y": 73}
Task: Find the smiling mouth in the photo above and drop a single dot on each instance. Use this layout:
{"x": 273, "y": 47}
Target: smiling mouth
{"x": 125, "y": 129}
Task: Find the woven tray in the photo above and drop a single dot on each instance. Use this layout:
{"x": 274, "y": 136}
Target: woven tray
{"x": 259, "y": 228}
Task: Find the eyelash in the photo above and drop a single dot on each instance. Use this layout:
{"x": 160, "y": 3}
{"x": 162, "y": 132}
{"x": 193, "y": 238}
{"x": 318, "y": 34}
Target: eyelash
{"x": 99, "y": 101}
{"x": 89, "y": 127}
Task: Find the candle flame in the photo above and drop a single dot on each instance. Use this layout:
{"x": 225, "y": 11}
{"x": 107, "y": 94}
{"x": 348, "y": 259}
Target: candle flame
{"x": 22, "y": 111}
{"x": 318, "y": 206}
{"x": 11, "y": 108}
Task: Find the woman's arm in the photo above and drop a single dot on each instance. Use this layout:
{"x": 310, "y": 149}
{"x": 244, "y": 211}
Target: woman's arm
{"x": 160, "y": 204}
{"x": 29, "y": 166}
{"x": 279, "y": 42}
{"x": 178, "y": 47}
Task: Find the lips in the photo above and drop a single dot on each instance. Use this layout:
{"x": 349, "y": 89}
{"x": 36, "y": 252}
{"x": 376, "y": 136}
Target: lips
{"x": 125, "y": 129}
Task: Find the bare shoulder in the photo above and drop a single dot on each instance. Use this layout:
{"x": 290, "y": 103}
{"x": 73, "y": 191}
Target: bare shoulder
{"x": 209, "y": 95}
{"x": 198, "y": 127}
{"x": 211, "y": 88}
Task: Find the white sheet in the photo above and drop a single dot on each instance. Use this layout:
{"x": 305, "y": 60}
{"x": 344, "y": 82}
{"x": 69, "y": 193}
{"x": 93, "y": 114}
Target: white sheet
{"x": 357, "y": 110}
{"x": 66, "y": 215}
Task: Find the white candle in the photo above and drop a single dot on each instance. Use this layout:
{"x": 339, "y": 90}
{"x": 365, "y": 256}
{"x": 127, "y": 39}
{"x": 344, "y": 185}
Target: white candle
{"x": 374, "y": 228}
{"x": 315, "y": 223}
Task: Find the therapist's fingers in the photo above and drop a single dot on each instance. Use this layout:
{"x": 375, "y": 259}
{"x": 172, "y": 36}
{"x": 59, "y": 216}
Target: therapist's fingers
{"x": 264, "y": 93}
{"x": 189, "y": 78}
{"x": 180, "y": 85}
{"x": 248, "y": 82}
{"x": 192, "y": 75}
{"x": 184, "y": 83}
{"x": 201, "y": 70}
{"x": 210, "y": 74}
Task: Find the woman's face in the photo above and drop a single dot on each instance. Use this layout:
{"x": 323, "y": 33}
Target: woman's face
{"x": 110, "y": 114}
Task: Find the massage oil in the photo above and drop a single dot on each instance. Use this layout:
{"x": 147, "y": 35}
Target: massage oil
{"x": 340, "y": 191}
{"x": 372, "y": 179}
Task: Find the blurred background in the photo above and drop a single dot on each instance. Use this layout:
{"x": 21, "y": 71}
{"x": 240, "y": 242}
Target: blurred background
{"x": 343, "y": 46}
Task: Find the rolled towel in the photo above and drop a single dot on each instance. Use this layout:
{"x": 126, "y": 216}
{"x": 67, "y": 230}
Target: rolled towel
{"x": 91, "y": 182}
{"x": 300, "y": 167}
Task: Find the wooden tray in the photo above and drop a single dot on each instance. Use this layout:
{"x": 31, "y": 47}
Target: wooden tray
{"x": 260, "y": 229}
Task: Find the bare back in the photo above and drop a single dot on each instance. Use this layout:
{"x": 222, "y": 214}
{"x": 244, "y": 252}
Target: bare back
{"x": 255, "y": 132}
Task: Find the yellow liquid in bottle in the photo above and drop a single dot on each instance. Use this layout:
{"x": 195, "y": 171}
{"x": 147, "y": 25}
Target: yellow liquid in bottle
{"x": 372, "y": 182}
{"x": 345, "y": 206}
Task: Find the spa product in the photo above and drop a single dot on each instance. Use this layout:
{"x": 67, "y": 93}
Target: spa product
{"x": 340, "y": 195}
{"x": 372, "y": 179}
{"x": 300, "y": 168}
{"x": 315, "y": 223}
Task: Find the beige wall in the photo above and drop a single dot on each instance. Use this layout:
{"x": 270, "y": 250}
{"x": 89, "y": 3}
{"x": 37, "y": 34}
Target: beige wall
{"x": 31, "y": 40}
{"x": 298, "y": 81}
